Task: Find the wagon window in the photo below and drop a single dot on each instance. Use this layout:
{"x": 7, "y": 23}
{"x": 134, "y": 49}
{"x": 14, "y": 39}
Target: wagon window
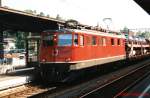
{"x": 93, "y": 40}
{"x": 76, "y": 39}
{"x": 104, "y": 41}
{"x": 112, "y": 41}
{"x": 81, "y": 40}
{"x": 64, "y": 39}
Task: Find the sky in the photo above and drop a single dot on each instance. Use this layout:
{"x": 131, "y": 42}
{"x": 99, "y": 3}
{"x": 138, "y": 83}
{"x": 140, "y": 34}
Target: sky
{"x": 91, "y": 12}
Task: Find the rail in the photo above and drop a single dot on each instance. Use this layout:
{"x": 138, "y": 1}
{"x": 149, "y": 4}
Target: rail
{"x": 116, "y": 87}
{"x": 81, "y": 89}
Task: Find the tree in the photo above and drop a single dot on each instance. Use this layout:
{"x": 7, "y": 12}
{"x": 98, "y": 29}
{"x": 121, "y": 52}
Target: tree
{"x": 41, "y": 14}
{"x": 146, "y": 34}
{"x": 48, "y": 16}
{"x": 125, "y": 29}
{"x": 58, "y": 17}
{"x": 30, "y": 11}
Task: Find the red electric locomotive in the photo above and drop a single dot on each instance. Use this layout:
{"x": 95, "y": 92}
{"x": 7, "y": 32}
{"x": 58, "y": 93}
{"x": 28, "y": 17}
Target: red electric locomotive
{"x": 66, "y": 50}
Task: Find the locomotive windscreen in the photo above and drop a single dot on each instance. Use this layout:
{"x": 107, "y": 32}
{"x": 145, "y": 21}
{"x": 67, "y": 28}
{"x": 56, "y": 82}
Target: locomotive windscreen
{"x": 48, "y": 40}
{"x": 64, "y": 39}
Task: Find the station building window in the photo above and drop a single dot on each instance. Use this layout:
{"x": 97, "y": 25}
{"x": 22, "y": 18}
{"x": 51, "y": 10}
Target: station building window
{"x": 112, "y": 41}
{"x": 81, "y": 40}
{"x": 93, "y": 40}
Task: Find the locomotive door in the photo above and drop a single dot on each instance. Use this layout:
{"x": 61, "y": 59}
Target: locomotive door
{"x": 32, "y": 57}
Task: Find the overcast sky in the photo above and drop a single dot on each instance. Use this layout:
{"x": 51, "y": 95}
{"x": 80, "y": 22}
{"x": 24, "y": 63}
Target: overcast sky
{"x": 122, "y": 12}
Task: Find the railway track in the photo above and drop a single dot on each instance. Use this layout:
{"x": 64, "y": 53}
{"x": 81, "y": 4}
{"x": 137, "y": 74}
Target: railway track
{"x": 107, "y": 86}
{"x": 23, "y": 91}
{"x": 84, "y": 89}
{"x": 117, "y": 87}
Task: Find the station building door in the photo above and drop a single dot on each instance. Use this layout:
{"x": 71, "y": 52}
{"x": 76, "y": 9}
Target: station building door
{"x": 32, "y": 57}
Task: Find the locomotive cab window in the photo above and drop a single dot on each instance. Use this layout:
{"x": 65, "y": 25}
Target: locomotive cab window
{"x": 48, "y": 40}
{"x": 93, "y": 40}
{"x": 64, "y": 39}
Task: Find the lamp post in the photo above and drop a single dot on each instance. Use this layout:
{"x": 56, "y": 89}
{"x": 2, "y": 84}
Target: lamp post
{"x": 107, "y": 22}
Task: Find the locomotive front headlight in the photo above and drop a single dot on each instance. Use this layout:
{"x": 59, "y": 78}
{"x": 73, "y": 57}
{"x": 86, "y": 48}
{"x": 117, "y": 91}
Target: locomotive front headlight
{"x": 43, "y": 60}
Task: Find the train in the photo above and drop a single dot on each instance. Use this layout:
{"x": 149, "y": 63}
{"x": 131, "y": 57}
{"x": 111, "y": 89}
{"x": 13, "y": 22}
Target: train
{"x": 66, "y": 51}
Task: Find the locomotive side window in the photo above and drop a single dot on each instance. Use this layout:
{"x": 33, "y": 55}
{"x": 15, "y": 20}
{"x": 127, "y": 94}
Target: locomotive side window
{"x": 76, "y": 39}
{"x": 93, "y": 40}
{"x": 88, "y": 40}
{"x": 121, "y": 42}
{"x": 48, "y": 40}
{"x": 81, "y": 40}
{"x": 112, "y": 41}
{"x": 104, "y": 41}
{"x": 118, "y": 42}
{"x": 100, "y": 41}
{"x": 64, "y": 39}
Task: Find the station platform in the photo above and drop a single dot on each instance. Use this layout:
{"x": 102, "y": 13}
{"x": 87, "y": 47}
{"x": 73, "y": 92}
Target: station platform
{"x": 16, "y": 79}
{"x": 12, "y": 81}
{"x": 141, "y": 90}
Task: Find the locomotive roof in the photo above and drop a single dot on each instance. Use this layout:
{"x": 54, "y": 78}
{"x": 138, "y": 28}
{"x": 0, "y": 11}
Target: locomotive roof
{"x": 85, "y": 31}
{"x": 60, "y": 30}
{"x": 94, "y": 32}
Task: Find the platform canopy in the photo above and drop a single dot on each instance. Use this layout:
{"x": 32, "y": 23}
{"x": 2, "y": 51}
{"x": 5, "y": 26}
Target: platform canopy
{"x": 19, "y": 20}
{"x": 145, "y": 4}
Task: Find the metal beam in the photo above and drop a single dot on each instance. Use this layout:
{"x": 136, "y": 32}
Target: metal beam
{"x": 0, "y": 3}
{"x": 145, "y": 4}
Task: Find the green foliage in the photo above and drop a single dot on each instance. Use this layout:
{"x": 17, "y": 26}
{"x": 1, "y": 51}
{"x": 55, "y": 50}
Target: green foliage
{"x": 125, "y": 29}
{"x": 1, "y": 46}
{"x": 145, "y": 34}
